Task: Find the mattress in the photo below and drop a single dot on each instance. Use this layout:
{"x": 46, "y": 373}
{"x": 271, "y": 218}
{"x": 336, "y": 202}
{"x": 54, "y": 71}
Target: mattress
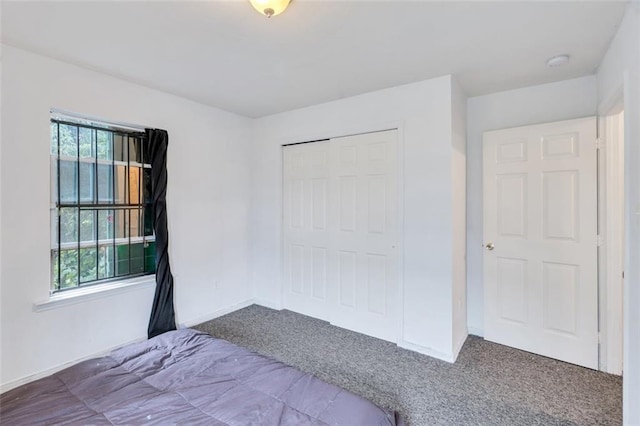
{"x": 187, "y": 377}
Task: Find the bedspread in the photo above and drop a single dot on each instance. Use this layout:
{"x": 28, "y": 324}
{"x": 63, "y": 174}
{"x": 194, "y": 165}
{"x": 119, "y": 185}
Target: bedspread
{"x": 187, "y": 377}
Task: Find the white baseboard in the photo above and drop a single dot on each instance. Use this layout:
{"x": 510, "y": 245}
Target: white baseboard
{"x": 268, "y": 304}
{"x": 476, "y": 331}
{"x": 457, "y": 347}
{"x": 426, "y": 351}
{"x": 4, "y": 387}
{"x": 228, "y": 310}
{"x": 216, "y": 314}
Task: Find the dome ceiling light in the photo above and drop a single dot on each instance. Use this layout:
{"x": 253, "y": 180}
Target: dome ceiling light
{"x": 270, "y": 8}
{"x": 558, "y": 61}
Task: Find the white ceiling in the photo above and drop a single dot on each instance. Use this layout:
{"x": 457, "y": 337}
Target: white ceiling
{"x": 224, "y": 54}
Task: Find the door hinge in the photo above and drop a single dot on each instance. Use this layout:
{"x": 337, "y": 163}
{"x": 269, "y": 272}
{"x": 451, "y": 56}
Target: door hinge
{"x": 599, "y": 240}
{"x": 599, "y": 143}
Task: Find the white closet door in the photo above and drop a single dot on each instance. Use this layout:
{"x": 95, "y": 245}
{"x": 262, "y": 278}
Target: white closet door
{"x": 364, "y": 204}
{"x": 306, "y": 228}
{"x": 340, "y": 232}
{"x": 540, "y": 225}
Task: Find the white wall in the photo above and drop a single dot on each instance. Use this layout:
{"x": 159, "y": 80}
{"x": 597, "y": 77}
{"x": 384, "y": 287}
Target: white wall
{"x": 538, "y": 104}
{"x": 422, "y": 112}
{"x": 459, "y": 185}
{"x": 619, "y": 75}
{"x": 208, "y": 209}
{"x": 1, "y": 237}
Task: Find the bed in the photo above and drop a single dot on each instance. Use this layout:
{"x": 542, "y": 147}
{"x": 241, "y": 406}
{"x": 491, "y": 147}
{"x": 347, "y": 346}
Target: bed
{"x": 186, "y": 377}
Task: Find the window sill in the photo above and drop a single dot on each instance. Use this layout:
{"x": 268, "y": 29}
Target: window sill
{"x": 93, "y": 292}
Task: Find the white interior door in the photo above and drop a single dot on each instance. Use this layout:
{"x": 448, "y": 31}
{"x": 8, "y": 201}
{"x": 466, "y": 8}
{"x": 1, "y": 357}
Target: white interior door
{"x": 340, "y": 232}
{"x": 540, "y": 231}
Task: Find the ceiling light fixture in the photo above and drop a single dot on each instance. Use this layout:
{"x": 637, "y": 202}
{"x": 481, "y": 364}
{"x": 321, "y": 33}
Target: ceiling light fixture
{"x": 558, "y": 61}
{"x": 270, "y": 8}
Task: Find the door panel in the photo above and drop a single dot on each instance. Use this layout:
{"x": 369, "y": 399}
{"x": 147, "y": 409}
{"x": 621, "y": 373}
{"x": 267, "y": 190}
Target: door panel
{"x": 319, "y": 272}
{"x": 365, "y": 172}
{"x": 347, "y": 267}
{"x": 340, "y": 226}
{"x": 347, "y": 205}
{"x": 319, "y": 189}
{"x": 559, "y": 297}
{"x": 540, "y": 198}
{"x": 306, "y": 226}
{"x": 559, "y": 205}
{"x": 512, "y": 204}
{"x": 296, "y": 256}
{"x": 377, "y": 284}
{"x": 512, "y": 289}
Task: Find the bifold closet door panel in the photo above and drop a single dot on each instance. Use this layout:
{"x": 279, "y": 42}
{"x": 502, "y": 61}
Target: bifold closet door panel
{"x": 364, "y": 265}
{"x": 306, "y": 228}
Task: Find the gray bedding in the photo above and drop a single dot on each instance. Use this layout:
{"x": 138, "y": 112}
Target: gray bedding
{"x": 186, "y": 377}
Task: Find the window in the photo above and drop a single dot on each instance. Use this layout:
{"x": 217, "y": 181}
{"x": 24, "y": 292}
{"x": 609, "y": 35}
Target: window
{"x": 101, "y": 212}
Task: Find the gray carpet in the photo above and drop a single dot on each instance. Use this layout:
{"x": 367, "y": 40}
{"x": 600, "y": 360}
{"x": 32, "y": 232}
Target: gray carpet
{"x": 489, "y": 384}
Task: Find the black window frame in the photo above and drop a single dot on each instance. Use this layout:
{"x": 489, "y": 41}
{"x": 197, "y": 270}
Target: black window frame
{"x": 141, "y": 203}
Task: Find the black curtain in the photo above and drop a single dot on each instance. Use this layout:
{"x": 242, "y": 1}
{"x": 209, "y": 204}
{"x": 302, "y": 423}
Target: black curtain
{"x": 163, "y": 316}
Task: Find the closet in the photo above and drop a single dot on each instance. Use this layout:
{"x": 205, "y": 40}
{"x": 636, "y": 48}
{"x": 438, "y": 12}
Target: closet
{"x": 341, "y": 232}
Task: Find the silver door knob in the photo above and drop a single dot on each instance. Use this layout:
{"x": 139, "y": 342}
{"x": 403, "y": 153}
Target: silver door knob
{"x": 490, "y": 246}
